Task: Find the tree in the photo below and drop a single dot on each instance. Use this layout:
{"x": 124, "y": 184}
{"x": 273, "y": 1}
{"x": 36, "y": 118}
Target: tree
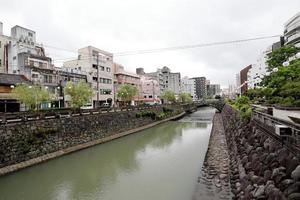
{"x": 127, "y": 92}
{"x": 281, "y": 55}
{"x": 31, "y": 96}
{"x": 80, "y": 93}
{"x": 185, "y": 98}
{"x": 169, "y": 96}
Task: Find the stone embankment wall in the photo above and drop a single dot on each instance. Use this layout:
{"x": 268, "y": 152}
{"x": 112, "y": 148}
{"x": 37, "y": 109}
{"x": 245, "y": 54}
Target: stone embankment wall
{"x": 260, "y": 167}
{"x": 23, "y": 141}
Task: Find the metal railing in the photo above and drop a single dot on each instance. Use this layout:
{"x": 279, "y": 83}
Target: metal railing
{"x": 268, "y": 123}
{"x": 67, "y": 112}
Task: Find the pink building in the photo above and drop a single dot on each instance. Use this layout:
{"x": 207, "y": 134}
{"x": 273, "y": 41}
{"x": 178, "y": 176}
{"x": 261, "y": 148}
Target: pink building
{"x": 150, "y": 90}
{"x": 122, "y": 77}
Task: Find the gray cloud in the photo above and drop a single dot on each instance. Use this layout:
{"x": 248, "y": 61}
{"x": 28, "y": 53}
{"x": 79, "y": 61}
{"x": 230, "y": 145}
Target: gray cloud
{"x": 118, "y": 26}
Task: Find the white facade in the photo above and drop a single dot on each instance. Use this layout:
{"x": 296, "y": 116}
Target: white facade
{"x": 188, "y": 85}
{"x": 257, "y": 72}
{"x": 238, "y": 83}
{"x": 87, "y": 61}
{"x": 292, "y": 30}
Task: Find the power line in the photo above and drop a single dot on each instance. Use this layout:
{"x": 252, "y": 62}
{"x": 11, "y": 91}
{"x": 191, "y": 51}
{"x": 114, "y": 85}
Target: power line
{"x": 157, "y": 50}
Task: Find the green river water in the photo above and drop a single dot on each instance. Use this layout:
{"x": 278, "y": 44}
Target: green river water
{"x": 160, "y": 163}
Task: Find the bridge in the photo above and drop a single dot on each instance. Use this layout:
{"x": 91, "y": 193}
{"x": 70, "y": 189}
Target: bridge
{"x": 216, "y": 103}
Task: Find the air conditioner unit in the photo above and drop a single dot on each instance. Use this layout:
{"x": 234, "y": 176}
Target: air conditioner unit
{"x": 283, "y": 130}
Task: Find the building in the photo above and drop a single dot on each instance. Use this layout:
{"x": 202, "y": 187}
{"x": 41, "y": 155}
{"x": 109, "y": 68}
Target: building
{"x": 150, "y": 90}
{"x": 98, "y": 64}
{"x": 65, "y": 75}
{"x": 231, "y": 91}
{"x": 200, "y": 87}
{"x": 238, "y": 84}
{"x": 122, "y": 77}
{"x": 158, "y": 76}
{"x": 213, "y": 90}
{"x": 188, "y": 85}
{"x": 243, "y": 79}
{"x": 4, "y": 42}
{"x": 292, "y": 31}
{"x": 8, "y": 103}
{"x": 172, "y": 81}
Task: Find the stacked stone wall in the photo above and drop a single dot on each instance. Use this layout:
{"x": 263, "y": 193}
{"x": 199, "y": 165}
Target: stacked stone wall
{"x": 260, "y": 166}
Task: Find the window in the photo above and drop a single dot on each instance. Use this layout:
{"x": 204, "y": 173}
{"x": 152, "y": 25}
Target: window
{"x": 14, "y": 57}
{"x": 105, "y": 91}
{"x": 102, "y": 68}
{"x": 47, "y": 79}
{"x": 107, "y": 69}
{"x": 34, "y": 76}
{"x": 150, "y": 96}
{"x": 0, "y": 62}
{"x": 95, "y": 66}
{"x": 30, "y": 34}
{"x": 40, "y": 64}
{"x": 0, "y": 44}
{"x": 95, "y": 79}
{"x": 145, "y": 96}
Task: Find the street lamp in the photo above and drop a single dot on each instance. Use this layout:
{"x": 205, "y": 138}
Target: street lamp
{"x": 286, "y": 63}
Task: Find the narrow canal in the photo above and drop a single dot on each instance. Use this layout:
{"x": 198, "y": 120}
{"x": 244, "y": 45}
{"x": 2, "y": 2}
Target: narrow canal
{"x": 160, "y": 163}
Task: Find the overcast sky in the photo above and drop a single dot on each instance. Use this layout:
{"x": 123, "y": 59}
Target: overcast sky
{"x": 124, "y": 25}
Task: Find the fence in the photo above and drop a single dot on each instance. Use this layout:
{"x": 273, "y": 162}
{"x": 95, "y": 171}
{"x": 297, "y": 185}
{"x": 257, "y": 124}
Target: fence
{"x": 67, "y": 112}
{"x": 268, "y": 123}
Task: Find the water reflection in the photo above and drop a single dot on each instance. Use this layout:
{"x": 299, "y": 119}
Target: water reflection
{"x": 125, "y": 168}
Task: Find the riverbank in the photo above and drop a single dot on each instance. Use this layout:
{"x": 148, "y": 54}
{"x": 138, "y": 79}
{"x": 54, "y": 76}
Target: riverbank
{"x": 214, "y": 181}
{"x": 34, "y": 161}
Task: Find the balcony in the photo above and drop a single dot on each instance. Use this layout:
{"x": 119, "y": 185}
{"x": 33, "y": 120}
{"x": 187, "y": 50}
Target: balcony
{"x": 293, "y": 38}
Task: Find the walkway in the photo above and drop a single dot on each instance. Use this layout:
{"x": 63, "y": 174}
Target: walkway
{"x": 213, "y": 182}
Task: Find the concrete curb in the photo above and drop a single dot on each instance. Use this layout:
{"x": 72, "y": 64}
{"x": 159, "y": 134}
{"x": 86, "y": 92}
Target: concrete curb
{"x": 44, "y": 158}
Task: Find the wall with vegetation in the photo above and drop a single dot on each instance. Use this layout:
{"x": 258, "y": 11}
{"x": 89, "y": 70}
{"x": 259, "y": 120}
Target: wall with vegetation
{"x": 26, "y": 140}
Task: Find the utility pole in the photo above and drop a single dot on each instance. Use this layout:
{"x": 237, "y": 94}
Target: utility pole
{"x": 97, "y": 104}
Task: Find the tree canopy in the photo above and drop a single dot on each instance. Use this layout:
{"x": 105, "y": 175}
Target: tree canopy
{"x": 31, "y": 95}
{"x": 80, "y": 93}
{"x": 281, "y": 55}
{"x": 185, "y": 98}
{"x": 169, "y": 96}
{"x": 127, "y": 92}
{"x": 281, "y": 86}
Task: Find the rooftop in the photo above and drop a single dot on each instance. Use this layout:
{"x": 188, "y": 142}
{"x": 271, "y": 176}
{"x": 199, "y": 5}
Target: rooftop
{"x": 12, "y": 79}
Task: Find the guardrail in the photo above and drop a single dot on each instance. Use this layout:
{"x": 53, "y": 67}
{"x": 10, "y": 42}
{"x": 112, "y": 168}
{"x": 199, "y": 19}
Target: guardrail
{"x": 67, "y": 113}
{"x": 268, "y": 123}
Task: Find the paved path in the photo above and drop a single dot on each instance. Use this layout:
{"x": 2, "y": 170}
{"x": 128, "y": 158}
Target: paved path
{"x": 213, "y": 183}
{"x": 282, "y": 114}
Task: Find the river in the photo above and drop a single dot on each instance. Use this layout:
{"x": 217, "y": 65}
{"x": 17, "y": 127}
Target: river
{"x": 160, "y": 163}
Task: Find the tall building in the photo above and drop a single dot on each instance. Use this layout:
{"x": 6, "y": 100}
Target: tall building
{"x": 238, "y": 83}
{"x": 257, "y": 72}
{"x": 244, "y": 78}
{"x": 98, "y": 64}
{"x": 292, "y": 31}
{"x": 171, "y": 80}
{"x": 188, "y": 85}
{"x": 200, "y": 87}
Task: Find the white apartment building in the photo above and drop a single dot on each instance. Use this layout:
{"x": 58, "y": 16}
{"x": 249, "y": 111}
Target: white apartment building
{"x": 188, "y": 85}
{"x": 99, "y": 67}
{"x": 292, "y": 30}
{"x": 258, "y": 71}
{"x": 4, "y": 42}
